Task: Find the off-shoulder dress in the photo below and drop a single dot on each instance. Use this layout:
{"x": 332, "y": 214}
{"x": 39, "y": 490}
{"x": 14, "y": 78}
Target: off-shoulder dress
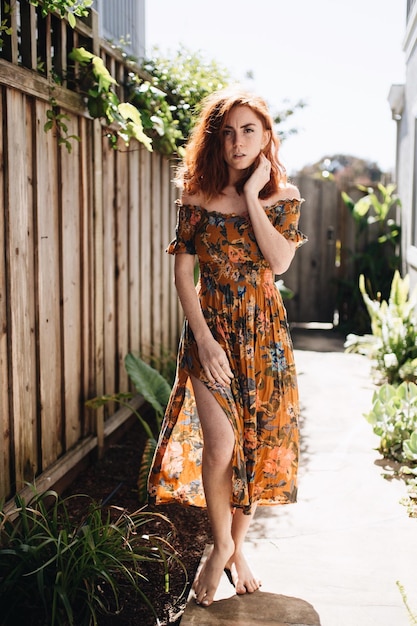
{"x": 245, "y": 313}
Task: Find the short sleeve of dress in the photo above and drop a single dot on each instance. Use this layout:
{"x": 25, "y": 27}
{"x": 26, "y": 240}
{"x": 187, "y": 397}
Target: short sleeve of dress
{"x": 188, "y": 219}
{"x": 286, "y": 218}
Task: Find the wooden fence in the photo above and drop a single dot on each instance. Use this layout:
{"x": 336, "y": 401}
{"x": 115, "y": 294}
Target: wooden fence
{"x": 84, "y": 277}
{"x": 313, "y": 273}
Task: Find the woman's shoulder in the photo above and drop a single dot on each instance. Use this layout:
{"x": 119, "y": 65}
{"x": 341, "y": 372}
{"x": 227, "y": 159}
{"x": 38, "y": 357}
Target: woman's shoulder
{"x": 284, "y": 192}
{"x": 193, "y": 199}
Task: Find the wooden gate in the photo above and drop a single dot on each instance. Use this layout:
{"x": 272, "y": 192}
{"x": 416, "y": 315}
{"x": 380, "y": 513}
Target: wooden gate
{"x": 315, "y": 268}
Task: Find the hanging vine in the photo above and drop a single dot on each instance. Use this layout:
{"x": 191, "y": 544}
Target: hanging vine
{"x": 65, "y": 8}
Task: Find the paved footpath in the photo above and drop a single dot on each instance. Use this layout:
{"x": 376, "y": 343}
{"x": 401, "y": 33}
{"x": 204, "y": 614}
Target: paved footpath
{"x": 333, "y": 558}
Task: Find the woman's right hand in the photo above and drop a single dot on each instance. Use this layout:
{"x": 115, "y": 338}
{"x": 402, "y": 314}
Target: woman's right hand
{"x": 214, "y": 361}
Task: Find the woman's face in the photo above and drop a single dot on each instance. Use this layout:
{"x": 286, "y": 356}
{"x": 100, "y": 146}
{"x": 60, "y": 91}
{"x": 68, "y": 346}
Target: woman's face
{"x": 243, "y": 138}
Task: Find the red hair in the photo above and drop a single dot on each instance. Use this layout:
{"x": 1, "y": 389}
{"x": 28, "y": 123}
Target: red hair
{"x": 203, "y": 168}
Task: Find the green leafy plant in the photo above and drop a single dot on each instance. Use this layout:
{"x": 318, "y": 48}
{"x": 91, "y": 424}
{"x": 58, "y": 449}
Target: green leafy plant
{"x": 185, "y": 79}
{"x": 103, "y": 101}
{"x": 158, "y": 117}
{"x": 57, "y": 121}
{"x": 393, "y": 342}
{"x": 65, "y": 8}
{"x": 5, "y": 28}
{"x": 155, "y": 389}
{"x": 394, "y": 419}
{"x": 376, "y": 253}
{"x": 285, "y": 291}
{"x": 55, "y": 572}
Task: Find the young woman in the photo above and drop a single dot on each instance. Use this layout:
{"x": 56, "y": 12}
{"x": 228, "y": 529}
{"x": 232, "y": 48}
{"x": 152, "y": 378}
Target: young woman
{"x": 229, "y": 440}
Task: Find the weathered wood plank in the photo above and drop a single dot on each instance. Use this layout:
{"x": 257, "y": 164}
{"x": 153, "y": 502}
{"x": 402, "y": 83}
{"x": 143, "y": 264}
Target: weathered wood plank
{"x": 156, "y": 225}
{"x": 5, "y": 478}
{"x": 146, "y": 273}
{"x": 165, "y": 265}
{"x": 19, "y": 216}
{"x": 10, "y": 47}
{"x": 71, "y": 285}
{"x": 109, "y": 271}
{"x": 88, "y": 291}
{"x": 134, "y": 256}
{"x": 28, "y": 42}
{"x": 175, "y": 317}
{"x": 122, "y": 265}
{"x": 98, "y": 283}
{"x": 49, "y": 294}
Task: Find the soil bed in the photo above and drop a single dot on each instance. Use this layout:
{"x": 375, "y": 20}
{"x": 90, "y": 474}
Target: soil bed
{"x": 113, "y": 481}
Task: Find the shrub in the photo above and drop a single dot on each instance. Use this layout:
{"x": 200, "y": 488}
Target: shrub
{"x": 55, "y": 572}
{"x": 393, "y": 342}
{"x": 394, "y": 419}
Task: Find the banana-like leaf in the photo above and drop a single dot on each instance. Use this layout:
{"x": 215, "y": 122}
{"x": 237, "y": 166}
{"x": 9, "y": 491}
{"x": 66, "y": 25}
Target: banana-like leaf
{"x": 148, "y": 382}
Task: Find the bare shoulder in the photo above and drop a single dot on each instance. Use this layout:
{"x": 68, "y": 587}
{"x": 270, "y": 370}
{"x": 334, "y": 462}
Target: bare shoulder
{"x": 195, "y": 199}
{"x": 288, "y": 192}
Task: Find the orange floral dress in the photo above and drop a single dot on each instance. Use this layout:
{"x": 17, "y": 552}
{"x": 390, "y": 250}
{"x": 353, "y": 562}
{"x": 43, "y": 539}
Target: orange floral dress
{"x": 245, "y": 313}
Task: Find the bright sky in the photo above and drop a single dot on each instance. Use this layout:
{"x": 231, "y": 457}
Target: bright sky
{"x": 339, "y": 56}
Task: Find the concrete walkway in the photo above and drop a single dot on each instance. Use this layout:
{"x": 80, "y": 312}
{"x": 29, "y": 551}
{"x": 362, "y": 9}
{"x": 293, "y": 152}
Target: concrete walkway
{"x": 333, "y": 558}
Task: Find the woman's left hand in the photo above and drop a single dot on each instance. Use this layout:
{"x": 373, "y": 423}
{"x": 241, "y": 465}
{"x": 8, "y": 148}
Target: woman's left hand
{"x": 259, "y": 177}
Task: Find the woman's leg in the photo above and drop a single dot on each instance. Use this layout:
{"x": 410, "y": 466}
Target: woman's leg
{"x": 242, "y": 577}
{"x": 228, "y": 530}
{"x": 217, "y": 479}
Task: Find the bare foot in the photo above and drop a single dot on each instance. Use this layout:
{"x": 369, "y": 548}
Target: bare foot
{"x": 241, "y": 575}
{"x": 207, "y": 581}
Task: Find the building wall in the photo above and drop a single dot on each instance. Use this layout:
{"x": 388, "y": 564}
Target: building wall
{"x": 406, "y": 174}
{"x": 123, "y": 23}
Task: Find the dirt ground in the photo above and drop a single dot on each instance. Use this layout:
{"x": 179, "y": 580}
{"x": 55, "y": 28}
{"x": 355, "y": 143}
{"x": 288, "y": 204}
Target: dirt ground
{"x": 112, "y": 481}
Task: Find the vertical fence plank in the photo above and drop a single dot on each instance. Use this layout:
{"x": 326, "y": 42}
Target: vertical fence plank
{"x": 134, "y": 255}
{"x": 87, "y": 271}
{"x": 28, "y": 42}
{"x": 109, "y": 286}
{"x": 165, "y": 265}
{"x": 174, "y": 309}
{"x": 122, "y": 262}
{"x": 146, "y": 275}
{"x": 21, "y": 272}
{"x": 4, "y": 332}
{"x": 48, "y": 283}
{"x": 98, "y": 284}
{"x": 156, "y": 224}
{"x": 71, "y": 285}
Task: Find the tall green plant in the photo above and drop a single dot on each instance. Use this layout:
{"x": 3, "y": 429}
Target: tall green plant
{"x": 377, "y": 252}
{"x": 55, "y": 572}
{"x": 154, "y": 388}
{"x": 393, "y": 342}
